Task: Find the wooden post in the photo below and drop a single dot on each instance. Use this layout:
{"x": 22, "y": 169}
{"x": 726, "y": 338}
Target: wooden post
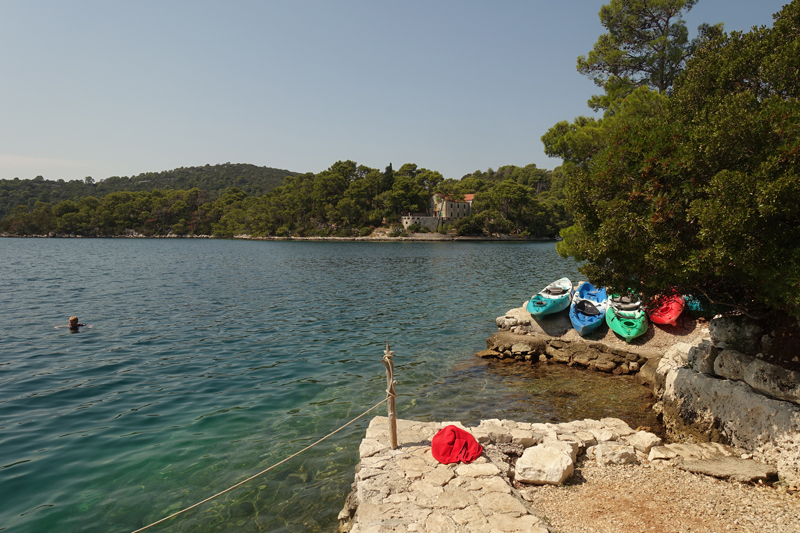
{"x": 390, "y": 394}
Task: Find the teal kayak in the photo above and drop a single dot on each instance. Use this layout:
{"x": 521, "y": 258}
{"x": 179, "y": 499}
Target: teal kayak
{"x": 552, "y": 299}
{"x": 626, "y": 316}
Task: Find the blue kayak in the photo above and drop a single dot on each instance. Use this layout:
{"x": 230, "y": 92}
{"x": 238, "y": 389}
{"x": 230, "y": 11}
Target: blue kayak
{"x": 588, "y": 309}
{"x": 552, "y": 299}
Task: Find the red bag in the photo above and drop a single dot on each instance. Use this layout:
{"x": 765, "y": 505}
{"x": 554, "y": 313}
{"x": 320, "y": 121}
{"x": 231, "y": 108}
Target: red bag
{"x": 452, "y": 444}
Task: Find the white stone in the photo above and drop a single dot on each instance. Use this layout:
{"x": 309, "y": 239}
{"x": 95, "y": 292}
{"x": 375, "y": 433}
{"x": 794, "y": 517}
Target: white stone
{"x": 543, "y": 465}
{"x": 618, "y": 426}
{"x": 477, "y": 470}
{"x": 643, "y": 441}
{"x": 587, "y": 438}
{"x": 615, "y": 454}
{"x": 661, "y": 452}
{"x": 454, "y": 499}
{"x": 524, "y": 438}
{"x": 498, "y": 502}
{"x": 440, "y": 523}
{"x": 370, "y": 447}
{"x": 568, "y": 447}
{"x": 603, "y": 435}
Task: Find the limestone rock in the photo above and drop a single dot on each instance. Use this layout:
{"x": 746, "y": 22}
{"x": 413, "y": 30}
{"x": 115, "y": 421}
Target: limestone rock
{"x": 615, "y": 454}
{"x": 739, "y": 333}
{"x": 559, "y": 356}
{"x": 647, "y": 373}
{"x": 733, "y": 468}
{"x": 773, "y": 380}
{"x": 525, "y": 438}
{"x": 542, "y": 465}
{"x": 569, "y": 448}
{"x": 701, "y": 357}
{"x": 520, "y": 348}
{"x": 731, "y": 364}
{"x": 661, "y": 452}
{"x": 643, "y": 441}
{"x": 488, "y": 354}
{"x": 603, "y": 364}
{"x": 696, "y": 406}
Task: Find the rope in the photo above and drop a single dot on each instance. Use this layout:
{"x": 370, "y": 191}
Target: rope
{"x": 262, "y": 472}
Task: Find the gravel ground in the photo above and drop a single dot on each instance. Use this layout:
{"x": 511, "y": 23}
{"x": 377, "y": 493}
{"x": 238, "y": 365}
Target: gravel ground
{"x": 657, "y": 338}
{"x": 646, "y": 498}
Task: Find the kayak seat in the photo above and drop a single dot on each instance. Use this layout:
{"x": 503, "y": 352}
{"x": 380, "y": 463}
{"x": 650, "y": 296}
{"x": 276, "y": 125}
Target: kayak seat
{"x": 587, "y": 308}
{"x": 626, "y": 303}
{"x": 555, "y": 291}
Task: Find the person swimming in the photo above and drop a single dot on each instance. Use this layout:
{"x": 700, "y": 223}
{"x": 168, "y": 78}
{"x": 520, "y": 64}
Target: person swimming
{"x": 73, "y": 325}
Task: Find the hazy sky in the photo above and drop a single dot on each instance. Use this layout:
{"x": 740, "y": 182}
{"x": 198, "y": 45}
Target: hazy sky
{"x": 118, "y": 88}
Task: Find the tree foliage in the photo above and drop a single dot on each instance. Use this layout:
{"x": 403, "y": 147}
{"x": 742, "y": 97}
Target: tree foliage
{"x": 213, "y": 179}
{"x": 346, "y": 199}
{"x": 647, "y": 43}
{"x": 702, "y": 193}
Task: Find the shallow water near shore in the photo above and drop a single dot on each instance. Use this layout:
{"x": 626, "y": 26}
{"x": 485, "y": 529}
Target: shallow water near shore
{"x": 209, "y": 360}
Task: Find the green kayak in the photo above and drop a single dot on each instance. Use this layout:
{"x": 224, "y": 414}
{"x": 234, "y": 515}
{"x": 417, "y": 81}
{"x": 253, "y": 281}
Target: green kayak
{"x": 626, "y": 316}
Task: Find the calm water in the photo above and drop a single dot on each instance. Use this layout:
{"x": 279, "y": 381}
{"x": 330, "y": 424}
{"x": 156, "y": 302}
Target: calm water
{"x": 208, "y": 361}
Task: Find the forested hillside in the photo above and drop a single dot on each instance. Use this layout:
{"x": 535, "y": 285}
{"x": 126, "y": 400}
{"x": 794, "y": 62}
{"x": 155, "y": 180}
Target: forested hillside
{"x": 347, "y": 199}
{"x": 212, "y": 179}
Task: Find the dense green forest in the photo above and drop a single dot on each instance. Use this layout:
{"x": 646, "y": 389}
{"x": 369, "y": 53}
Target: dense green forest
{"x": 345, "y": 200}
{"x": 689, "y": 184}
{"x": 212, "y": 179}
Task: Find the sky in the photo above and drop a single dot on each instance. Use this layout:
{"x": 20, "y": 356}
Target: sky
{"x": 99, "y": 88}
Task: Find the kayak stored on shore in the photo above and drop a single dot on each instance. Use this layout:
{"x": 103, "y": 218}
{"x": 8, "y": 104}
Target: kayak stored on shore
{"x": 589, "y": 305}
{"x": 552, "y": 299}
{"x": 626, "y": 317}
{"x": 667, "y": 310}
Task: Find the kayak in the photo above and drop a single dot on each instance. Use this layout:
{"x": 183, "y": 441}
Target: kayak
{"x": 699, "y": 306}
{"x": 589, "y": 305}
{"x": 667, "y": 309}
{"x": 626, "y": 317}
{"x": 552, "y": 299}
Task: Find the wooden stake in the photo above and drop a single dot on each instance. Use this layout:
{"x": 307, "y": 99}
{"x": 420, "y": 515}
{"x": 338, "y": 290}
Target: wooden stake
{"x": 390, "y": 394}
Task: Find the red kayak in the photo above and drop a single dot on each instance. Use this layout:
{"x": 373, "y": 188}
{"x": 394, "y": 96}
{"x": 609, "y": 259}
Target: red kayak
{"x": 667, "y": 309}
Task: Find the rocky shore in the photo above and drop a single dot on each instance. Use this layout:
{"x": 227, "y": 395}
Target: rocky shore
{"x": 706, "y": 387}
{"x": 530, "y": 476}
{"x": 730, "y": 460}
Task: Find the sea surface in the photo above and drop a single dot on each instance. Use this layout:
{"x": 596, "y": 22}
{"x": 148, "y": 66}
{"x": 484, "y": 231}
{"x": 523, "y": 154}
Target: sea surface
{"x": 209, "y": 360}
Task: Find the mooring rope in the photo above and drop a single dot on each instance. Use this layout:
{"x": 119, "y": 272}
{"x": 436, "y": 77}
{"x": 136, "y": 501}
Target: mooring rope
{"x": 263, "y": 471}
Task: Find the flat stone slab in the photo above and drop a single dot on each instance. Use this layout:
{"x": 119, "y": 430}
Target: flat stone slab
{"x": 732, "y": 468}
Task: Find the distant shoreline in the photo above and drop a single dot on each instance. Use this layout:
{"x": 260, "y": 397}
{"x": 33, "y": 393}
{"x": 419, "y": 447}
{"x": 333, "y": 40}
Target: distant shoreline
{"x": 416, "y": 237}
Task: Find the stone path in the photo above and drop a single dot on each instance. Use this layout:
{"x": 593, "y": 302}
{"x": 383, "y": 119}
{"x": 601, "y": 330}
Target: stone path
{"x": 407, "y": 490}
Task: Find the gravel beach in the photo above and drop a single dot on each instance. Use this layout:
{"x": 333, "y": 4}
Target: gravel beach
{"x": 644, "y": 498}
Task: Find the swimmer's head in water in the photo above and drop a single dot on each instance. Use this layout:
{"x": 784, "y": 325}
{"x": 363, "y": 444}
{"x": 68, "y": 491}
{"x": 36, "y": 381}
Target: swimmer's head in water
{"x": 73, "y": 322}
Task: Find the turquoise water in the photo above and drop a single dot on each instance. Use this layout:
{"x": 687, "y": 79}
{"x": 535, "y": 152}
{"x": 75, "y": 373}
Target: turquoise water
{"x": 208, "y": 361}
